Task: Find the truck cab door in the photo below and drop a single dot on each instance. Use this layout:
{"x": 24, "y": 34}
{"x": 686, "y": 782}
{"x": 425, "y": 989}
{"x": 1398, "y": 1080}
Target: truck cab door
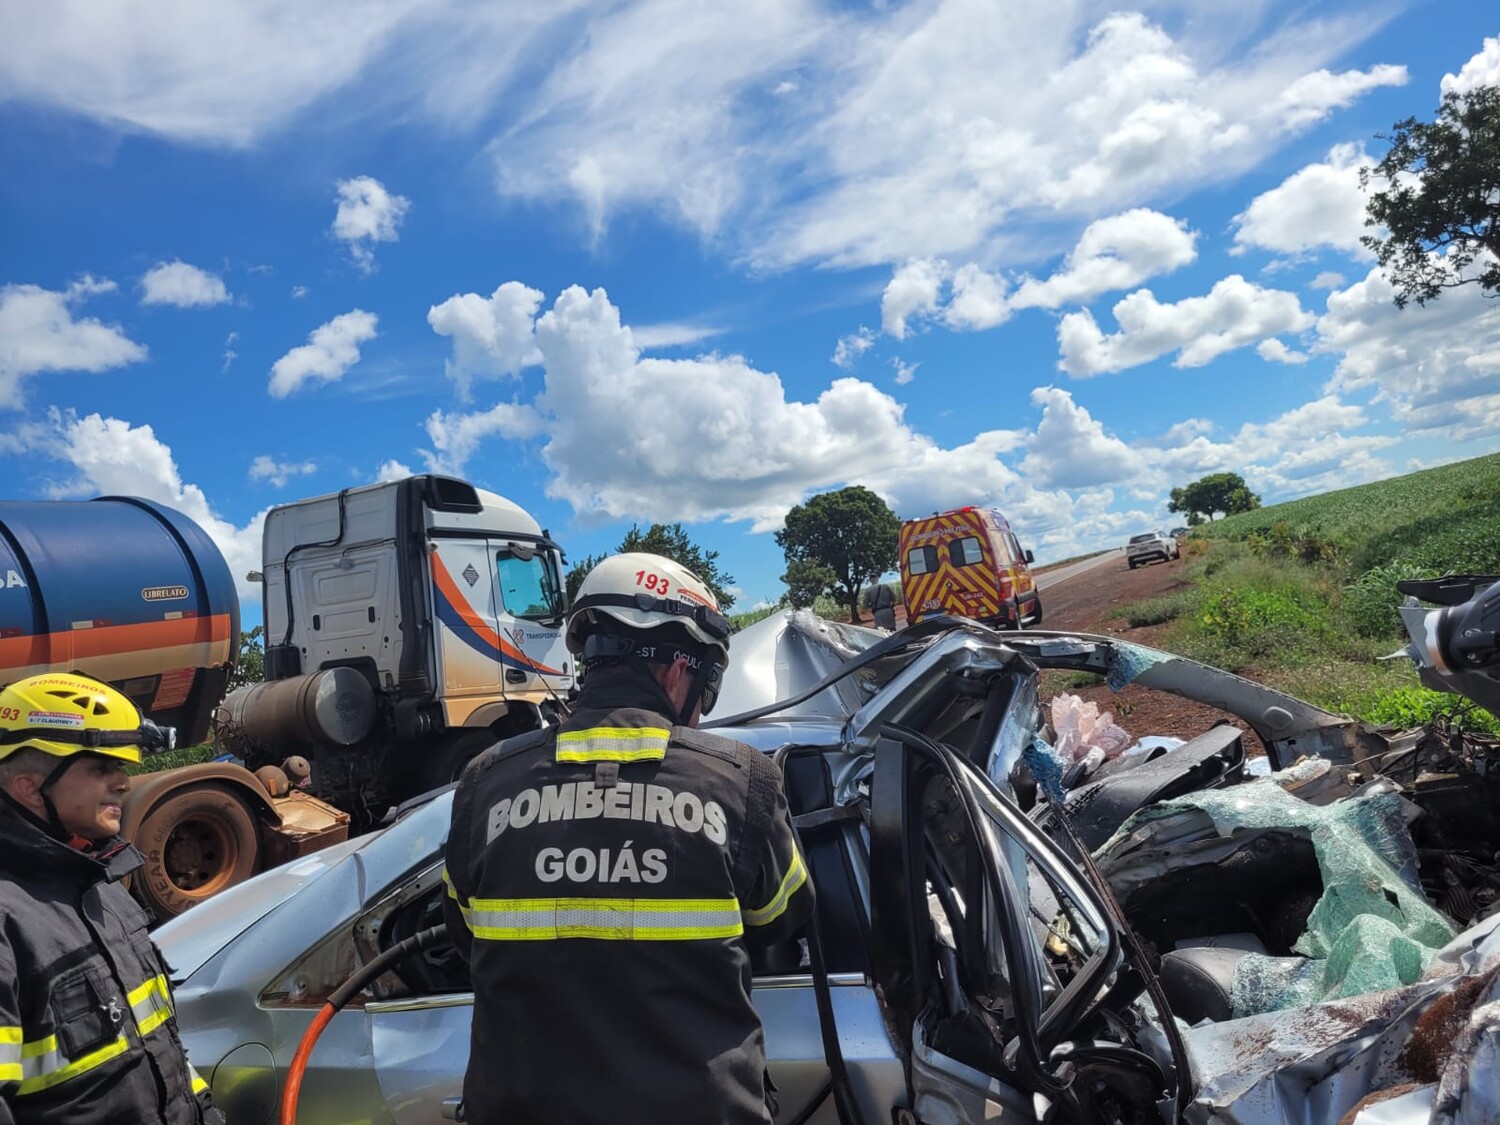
{"x": 992, "y": 952}
{"x": 529, "y": 620}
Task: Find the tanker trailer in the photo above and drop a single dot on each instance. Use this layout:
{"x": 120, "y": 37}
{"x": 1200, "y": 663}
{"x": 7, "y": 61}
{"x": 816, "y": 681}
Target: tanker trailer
{"x": 135, "y": 594}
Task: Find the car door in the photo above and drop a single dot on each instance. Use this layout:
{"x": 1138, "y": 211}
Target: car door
{"x": 993, "y": 953}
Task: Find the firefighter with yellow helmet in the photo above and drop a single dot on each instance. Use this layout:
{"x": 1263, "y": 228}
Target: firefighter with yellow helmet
{"x": 87, "y": 1035}
{"x": 605, "y": 875}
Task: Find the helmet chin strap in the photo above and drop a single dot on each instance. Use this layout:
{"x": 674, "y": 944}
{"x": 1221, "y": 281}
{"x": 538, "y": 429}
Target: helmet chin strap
{"x": 54, "y": 822}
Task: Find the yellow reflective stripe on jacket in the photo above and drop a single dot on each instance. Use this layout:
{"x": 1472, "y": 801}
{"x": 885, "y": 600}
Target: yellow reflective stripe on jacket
{"x": 463, "y": 905}
{"x": 613, "y": 744}
{"x": 198, "y": 1084}
{"x": 796, "y": 875}
{"x": 43, "y": 1065}
{"x": 10, "y": 1054}
{"x": 605, "y": 919}
{"x": 151, "y": 1005}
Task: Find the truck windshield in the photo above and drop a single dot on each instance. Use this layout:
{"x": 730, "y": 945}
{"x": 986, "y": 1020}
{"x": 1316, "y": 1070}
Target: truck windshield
{"x": 529, "y": 586}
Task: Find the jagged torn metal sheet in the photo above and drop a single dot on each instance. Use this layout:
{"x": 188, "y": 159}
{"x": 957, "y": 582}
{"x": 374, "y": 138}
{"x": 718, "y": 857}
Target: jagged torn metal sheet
{"x": 1311, "y": 1066}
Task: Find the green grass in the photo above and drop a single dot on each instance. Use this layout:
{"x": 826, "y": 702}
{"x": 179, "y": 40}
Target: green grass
{"x": 171, "y": 759}
{"x": 1156, "y": 611}
{"x": 1303, "y": 595}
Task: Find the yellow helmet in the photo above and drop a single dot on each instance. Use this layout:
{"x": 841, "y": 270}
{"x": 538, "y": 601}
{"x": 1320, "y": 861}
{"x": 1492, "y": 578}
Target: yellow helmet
{"x": 62, "y": 714}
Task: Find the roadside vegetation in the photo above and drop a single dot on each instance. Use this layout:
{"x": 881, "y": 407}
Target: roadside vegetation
{"x": 1303, "y": 595}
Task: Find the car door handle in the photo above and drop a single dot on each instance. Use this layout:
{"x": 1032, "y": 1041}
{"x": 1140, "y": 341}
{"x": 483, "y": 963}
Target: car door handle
{"x": 452, "y": 1109}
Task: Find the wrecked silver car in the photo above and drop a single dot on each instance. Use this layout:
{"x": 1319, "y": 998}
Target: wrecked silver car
{"x": 1000, "y": 934}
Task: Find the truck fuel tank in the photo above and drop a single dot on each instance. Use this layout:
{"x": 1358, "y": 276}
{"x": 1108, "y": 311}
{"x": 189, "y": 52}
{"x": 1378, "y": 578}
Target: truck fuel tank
{"x": 335, "y": 706}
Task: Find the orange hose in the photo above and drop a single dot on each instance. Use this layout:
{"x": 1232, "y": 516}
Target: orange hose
{"x": 293, "y": 1087}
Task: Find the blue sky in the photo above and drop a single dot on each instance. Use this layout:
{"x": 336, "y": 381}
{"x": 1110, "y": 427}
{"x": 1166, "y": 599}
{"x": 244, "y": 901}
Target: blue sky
{"x": 673, "y": 261}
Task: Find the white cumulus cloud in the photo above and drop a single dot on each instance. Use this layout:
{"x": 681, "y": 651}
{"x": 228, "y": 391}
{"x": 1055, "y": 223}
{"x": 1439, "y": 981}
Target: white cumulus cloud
{"x": 367, "y": 213}
{"x": 1234, "y": 314}
{"x": 1320, "y": 205}
{"x": 110, "y": 456}
{"x": 185, "y": 286}
{"x": 455, "y": 436}
{"x": 39, "y": 332}
{"x": 732, "y": 445}
{"x": 392, "y": 469}
{"x": 331, "y": 350}
{"x": 1481, "y": 70}
{"x": 913, "y": 292}
{"x": 492, "y": 336}
{"x": 849, "y": 348}
{"x": 1437, "y": 366}
{"x": 277, "y": 473}
{"x": 1276, "y": 351}
{"x": 980, "y": 300}
{"x": 1070, "y": 448}
{"x": 1115, "y": 253}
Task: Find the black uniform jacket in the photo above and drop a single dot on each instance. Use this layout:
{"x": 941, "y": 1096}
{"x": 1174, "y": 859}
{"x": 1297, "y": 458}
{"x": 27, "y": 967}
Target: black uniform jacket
{"x": 603, "y": 879}
{"x": 87, "y": 1035}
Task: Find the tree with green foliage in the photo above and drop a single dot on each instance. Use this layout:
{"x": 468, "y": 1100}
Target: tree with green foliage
{"x": 1440, "y": 207}
{"x": 806, "y": 580}
{"x": 250, "y": 667}
{"x": 670, "y": 541}
{"x": 1217, "y": 492}
{"x": 852, "y": 532}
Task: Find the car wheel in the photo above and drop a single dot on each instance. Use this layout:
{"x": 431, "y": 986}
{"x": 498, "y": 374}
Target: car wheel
{"x": 197, "y": 842}
{"x": 1130, "y": 563}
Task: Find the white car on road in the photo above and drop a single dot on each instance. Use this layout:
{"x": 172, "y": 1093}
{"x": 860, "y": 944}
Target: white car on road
{"x": 1152, "y": 545}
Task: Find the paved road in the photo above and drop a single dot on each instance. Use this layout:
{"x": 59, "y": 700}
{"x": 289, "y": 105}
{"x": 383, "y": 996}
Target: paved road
{"x": 1072, "y": 570}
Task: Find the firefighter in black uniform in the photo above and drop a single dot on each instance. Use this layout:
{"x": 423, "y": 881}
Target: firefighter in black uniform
{"x": 87, "y": 1035}
{"x": 605, "y": 875}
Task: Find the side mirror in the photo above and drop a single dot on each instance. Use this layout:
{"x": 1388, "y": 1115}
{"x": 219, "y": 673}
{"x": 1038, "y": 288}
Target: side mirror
{"x": 1029, "y": 556}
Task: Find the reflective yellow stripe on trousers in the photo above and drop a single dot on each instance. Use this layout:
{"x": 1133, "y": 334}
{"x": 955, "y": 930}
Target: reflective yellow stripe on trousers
{"x": 604, "y": 919}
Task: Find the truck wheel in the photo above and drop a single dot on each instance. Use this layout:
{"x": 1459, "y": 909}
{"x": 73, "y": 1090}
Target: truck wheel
{"x": 197, "y": 842}
{"x": 448, "y": 758}
{"x": 1037, "y": 606}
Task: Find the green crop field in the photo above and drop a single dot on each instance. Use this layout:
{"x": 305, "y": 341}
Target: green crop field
{"x": 1303, "y": 594}
{"x": 1446, "y": 518}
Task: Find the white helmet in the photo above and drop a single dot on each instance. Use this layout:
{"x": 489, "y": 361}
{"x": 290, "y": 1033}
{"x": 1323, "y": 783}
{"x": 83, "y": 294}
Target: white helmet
{"x": 643, "y": 592}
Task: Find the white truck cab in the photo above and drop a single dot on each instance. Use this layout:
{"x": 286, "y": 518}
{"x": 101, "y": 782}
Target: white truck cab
{"x": 445, "y": 599}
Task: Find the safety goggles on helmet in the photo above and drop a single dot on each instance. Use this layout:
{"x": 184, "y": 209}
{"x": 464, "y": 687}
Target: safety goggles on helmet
{"x": 148, "y": 738}
{"x": 606, "y": 646}
{"x": 710, "y": 620}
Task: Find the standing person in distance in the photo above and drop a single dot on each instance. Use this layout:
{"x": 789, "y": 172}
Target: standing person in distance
{"x": 87, "y": 1035}
{"x": 606, "y": 874}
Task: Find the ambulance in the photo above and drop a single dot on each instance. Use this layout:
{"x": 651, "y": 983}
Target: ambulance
{"x": 967, "y": 563}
